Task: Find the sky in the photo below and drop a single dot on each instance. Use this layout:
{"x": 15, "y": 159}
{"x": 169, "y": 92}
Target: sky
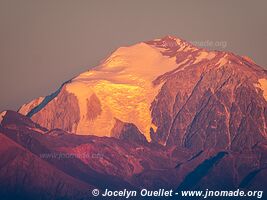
{"x": 45, "y": 43}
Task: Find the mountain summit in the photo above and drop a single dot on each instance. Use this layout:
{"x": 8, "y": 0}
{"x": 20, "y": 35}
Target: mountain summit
{"x": 173, "y": 92}
{"x": 176, "y": 116}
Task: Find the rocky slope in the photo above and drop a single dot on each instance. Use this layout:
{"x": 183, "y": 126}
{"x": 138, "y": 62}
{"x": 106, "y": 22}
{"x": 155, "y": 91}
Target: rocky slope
{"x": 172, "y": 91}
{"x": 176, "y": 116}
{"x": 24, "y": 175}
{"x": 123, "y": 163}
{"x": 220, "y": 103}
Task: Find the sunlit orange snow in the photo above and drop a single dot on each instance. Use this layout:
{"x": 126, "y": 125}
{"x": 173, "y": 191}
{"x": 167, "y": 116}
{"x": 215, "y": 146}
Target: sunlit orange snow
{"x": 123, "y": 84}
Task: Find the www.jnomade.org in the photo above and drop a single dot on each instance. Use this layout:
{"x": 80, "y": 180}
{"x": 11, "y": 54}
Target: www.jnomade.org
{"x": 170, "y": 193}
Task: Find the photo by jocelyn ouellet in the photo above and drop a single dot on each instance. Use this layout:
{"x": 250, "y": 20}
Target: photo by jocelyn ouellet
{"x": 136, "y": 99}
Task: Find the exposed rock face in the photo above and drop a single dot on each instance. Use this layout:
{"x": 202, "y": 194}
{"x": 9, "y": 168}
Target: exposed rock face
{"x": 127, "y": 131}
{"x": 117, "y": 164}
{"x": 62, "y": 112}
{"x": 48, "y": 145}
{"x": 93, "y": 107}
{"x": 212, "y": 106}
{"x": 172, "y": 91}
{"x": 24, "y": 109}
{"x": 178, "y": 116}
{"x": 24, "y": 175}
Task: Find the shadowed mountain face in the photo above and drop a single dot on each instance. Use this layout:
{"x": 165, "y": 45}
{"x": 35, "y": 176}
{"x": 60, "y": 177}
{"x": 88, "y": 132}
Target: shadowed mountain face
{"x": 212, "y": 105}
{"x": 24, "y": 175}
{"x": 60, "y": 164}
{"x": 175, "y": 116}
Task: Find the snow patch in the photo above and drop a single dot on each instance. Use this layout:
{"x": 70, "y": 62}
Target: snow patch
{"x": 2, "y": 115}
{"x": 248, "y": 59}
{"x": 262, "y": 84}
{"x": 189, "y": 48}
{"x": 204, "y": 55}
{"x": 179, "y": 68}
{"x": 222, "y": 61}
{"x": 26, "y": 108}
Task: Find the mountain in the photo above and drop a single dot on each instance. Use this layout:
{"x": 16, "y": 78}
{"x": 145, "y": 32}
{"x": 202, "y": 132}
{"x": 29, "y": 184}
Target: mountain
{"x": 34, "y": 157}
{"x": 159, "y": 114}
{"x": 25, "y": 175}
{"x": 172, "y": 91}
